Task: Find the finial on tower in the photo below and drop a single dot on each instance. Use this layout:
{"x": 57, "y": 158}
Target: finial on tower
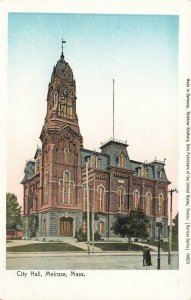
{"x": 62, "y": 54}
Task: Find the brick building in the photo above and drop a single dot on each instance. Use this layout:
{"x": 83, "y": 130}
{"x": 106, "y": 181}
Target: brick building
{"x": 55, "y": 199}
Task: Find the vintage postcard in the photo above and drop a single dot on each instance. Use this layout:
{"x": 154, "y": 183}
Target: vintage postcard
{"x": 96, "y": 150}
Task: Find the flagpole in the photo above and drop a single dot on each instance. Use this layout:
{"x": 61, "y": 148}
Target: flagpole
{"x": 113, "y": 108}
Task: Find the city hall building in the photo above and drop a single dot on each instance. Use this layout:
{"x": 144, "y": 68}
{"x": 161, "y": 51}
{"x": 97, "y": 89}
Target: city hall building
{"x": 55, "y": 197}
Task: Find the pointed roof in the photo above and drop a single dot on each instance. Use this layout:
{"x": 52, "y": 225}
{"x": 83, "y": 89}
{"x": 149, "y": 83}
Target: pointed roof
{"x": 62, "y": 69}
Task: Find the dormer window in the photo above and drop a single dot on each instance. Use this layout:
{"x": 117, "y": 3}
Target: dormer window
{"x": 161, "y": 174}
{"x": 37, "y": 165}
{"x": 139, "y": 171}
{"x": 122, "y": 161}
{"x": 94, "y": 162}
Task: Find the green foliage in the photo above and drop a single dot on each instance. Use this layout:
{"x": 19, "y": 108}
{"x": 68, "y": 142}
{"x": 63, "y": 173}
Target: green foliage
{"x": 175, "y": 229}
{"x": 97, "y": 236}
{"x": 135, "y": 224}
{"x": 33, "y": 225}
{"x": 81, "y": 236}
{"x": 13, "y": 212}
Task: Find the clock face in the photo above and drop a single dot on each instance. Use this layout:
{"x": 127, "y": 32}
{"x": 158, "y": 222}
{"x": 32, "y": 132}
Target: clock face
{"x": 64, "y": 94}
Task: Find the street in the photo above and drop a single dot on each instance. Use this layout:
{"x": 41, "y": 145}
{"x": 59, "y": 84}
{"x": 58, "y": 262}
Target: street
{"x": 98, "y": 261}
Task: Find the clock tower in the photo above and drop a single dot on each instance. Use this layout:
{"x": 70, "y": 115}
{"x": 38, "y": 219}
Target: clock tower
{"x": 60, "y": 178}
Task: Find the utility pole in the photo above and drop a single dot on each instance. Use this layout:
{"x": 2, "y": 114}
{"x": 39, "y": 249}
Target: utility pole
{"x": 159, "y": 225}
{"x": 93, "y": 218}
{"x": 170, "y": 229}
{"x": 88, "y": 211}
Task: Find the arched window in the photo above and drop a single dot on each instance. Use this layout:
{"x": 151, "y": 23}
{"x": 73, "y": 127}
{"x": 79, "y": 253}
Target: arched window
{"x": 68, "y": 189}
{"x": 122, "y": 161}
{"x": 60, "y": 190}
{"x": 37, "y": 165}
{"x": 136, "y": 199}
{"x": 66, "y": 156}
{"x": 101, "y": 227}
{"x": 92, "y": 162}
{"x": 148, "y": 204}
{"x": 120, "y": 198}
{"x": 161, "y": 205}
{"x": 65, "y": 108}
{"x": 101, "y": 196}
{"x": 71, "y": 192}
{"x": 161, "y": 174}
{"x": 45, "y": 189}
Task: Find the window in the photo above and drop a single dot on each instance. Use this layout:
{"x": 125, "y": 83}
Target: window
{"x": 138, "y": 171}
{"x": 101, "y": 227}
{"x": 148, "y": 204}
{"x": 71, "y": 192}
{"x": 136, "y": 199}
{"x": 122, "y": 161}
{"x": 120, "y": 197}
{"x": 93, "y": 162}
{"x": 37, "y": 165}
{"x": 45, "y": 189}
{"x": 68, "y": 189}
{"x": 149, "y": 230}
{"x": 84, "y": 226}
{"x": 101, "y": 196}
{"x": 161, "y": 205}
{"x": 65, "y": 109}
{"x": 161, "y": 174}
{"x": 60, "y": 186}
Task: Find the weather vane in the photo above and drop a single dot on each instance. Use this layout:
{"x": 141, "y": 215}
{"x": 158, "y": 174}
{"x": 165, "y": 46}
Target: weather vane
{"x": 63, "y": 42}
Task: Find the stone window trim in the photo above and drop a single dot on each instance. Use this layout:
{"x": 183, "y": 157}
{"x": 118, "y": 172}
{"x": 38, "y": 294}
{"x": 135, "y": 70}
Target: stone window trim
{"x": 46, "y": 188}
{"x": 148, "y": 203}
{"x": 101, "y": 197}
{"x": 120, "y": 198}
{"x": 94, "y": 162}
{"x": 136, "y": 201}
{"x": 161, "y": 205}
{"x": 101, "y": 227}
{"x": 68, "y": 188}
{"x": 122, "y": 160}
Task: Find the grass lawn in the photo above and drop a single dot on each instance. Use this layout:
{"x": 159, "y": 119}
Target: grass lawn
{"x": 44, "y": 247}
{"x": 164, "y": 245}
{"x": 118, "y": 247}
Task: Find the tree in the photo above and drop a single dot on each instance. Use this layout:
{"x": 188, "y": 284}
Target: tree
{"x": 135, "y": 224}
{"x": 13, "y": 212}
{"x": 175, "y": 228}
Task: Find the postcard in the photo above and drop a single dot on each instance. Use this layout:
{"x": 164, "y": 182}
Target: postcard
{"x": 95, "y": 150}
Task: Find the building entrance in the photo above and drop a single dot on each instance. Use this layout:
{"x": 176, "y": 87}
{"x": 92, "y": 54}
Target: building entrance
{"x": 66, "y": 227}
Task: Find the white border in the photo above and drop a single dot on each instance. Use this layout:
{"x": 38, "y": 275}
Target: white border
{"x": 100, "y": 284}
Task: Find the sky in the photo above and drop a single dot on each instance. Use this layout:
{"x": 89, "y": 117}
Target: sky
{"x": 139, "y": 51}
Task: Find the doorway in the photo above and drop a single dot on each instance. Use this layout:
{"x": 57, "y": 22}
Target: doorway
{"x": 66, "y": 227}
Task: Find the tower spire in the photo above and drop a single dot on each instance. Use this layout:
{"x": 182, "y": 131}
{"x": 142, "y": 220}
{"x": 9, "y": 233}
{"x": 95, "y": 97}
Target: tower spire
{"x": 62, "y": 54}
